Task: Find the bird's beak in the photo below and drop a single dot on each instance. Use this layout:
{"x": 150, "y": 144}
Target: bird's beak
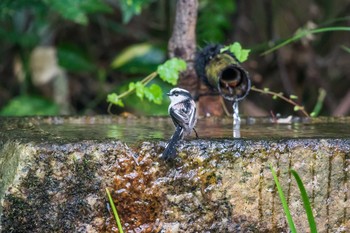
{"x": 168, "y": 94}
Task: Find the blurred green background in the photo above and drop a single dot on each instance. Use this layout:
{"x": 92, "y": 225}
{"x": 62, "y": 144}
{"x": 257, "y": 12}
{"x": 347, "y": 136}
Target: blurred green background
{"x": 65, "y": 56}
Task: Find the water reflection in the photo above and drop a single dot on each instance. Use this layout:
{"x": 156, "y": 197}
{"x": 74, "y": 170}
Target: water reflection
{"x": 132, "y": 130}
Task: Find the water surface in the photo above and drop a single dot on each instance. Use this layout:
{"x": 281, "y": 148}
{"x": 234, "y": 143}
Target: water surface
{"x": 133, "y": 129}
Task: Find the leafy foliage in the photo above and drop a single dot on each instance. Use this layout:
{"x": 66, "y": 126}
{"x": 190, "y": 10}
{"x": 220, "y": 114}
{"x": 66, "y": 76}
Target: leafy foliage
{"x": 169, "y": 71}
{"x": 131, "y": 8}
{"x": 73, "y": 60}
{"x": 154, "y": 93}
{"x": 218, "y": 12}
{"x": 29, "y": 105}
{"x": 114, "y": 99}
{"x": 77, "y": 10}
{"x": 139, "y": 88}
{"x": 236, "y": 48}
{"x": 8, "y": 8}
{"x": 275, "y": 95}
{"x": 25, "y": 24}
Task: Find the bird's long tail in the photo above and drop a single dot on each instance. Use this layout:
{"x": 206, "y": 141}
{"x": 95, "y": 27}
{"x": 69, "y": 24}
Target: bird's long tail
{"x": 170, "y": 151}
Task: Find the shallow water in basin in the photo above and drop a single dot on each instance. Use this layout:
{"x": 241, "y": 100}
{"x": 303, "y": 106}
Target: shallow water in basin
{"x": 132, "y": 129}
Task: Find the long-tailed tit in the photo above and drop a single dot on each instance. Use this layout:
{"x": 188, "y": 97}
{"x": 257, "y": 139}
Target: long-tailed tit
{"x": 182, "y": 110}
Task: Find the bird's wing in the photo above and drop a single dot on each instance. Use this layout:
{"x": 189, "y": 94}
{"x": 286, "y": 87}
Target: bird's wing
{"x": 192, "y": 115}
{"x": 185, "y": 115}
{"x": 179, "y": 117}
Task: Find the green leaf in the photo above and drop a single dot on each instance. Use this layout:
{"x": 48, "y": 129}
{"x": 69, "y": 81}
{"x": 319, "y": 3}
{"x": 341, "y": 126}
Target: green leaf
{"x": 219, "y": 15}
{"x": 146, "y": 108}
{"x": 94, "y": 6}
{"x": 306, "y": 202}
{"x": 139, "y": 59}
{"x": 74, "y": 61}
{"x": 169, "y": 71}
{"x": 114, "y": 99}
{"x": 131, "y": 7}
{"x": 9, "y": 7}
{"x": 140, "y": 90}
{"x": 130, "y": 53}
{"x": 236, "y": 48}
{"x": 131, "y": 86}
{"x": 25, "y": 39}
{"x": 69, "y": 9}
{"x": 28, "y": 106}
{"x": 76, "y": 10}
{"x": 293, "y": 97}
{"x": 296, "y": 108}
{"x": 284, "y": 202}
{"x": 154, "y": 93}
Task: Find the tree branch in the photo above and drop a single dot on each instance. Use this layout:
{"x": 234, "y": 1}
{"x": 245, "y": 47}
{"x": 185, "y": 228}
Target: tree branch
{"x": 182, "y": 43}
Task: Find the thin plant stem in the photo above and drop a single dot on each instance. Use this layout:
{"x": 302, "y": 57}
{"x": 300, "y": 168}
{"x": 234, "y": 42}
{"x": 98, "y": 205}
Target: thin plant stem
{"x": 347, "y": 49}
{"x": 318, "y": 107}
{"x": 109, "y": 109}
{"x": 149, "y": 78}
{"x": 144, "y": 81}
{"x": 115, "y": 212}
{"x": 280, "y": 95}
{"x": 303, "y": 34}
{"x": 224, "y": 106}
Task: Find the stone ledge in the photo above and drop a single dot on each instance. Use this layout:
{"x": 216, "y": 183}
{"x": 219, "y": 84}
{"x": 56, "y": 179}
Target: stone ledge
{"x": 54, "y": 171}
{"x": 213, "y": 185}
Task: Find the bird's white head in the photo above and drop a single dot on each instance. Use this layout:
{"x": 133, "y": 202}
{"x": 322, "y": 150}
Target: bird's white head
{"x": 178, "y": 95}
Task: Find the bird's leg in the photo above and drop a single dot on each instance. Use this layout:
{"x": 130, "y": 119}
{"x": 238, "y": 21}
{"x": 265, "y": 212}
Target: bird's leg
{"x": 196, "y": 133}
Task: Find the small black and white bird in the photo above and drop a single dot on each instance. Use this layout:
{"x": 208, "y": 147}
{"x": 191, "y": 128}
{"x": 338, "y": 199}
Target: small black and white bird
{"x": 182, "y": 110}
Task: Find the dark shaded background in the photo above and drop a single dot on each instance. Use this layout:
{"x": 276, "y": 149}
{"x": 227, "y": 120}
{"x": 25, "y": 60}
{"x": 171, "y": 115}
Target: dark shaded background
{"x": 83, "y": 49}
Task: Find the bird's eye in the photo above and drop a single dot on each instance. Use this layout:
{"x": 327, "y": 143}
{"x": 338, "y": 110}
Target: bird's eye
{"x": 176, "y": 93}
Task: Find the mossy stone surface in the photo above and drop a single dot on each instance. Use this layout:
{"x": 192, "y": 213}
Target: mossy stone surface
{"x": 54, "y": 182}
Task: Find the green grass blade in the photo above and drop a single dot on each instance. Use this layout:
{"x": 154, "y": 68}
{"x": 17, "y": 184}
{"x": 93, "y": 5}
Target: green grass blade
{"x": 115, "y": 213}
{"x": 318, "y": 106}
{"x": 306, "y": 202}
{"x": 284, "y": 202}
{"x": 303, "y": 34}
{"x": 347, "y": 49}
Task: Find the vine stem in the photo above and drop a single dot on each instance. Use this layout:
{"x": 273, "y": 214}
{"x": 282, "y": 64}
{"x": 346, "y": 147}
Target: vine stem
{"x": 303, "y": 34}
{"x": 279, "y": 95}
{"x": 144, "y": 81}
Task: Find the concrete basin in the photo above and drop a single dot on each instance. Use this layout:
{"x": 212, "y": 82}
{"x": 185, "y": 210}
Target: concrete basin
{"x": 54, "y": 171}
